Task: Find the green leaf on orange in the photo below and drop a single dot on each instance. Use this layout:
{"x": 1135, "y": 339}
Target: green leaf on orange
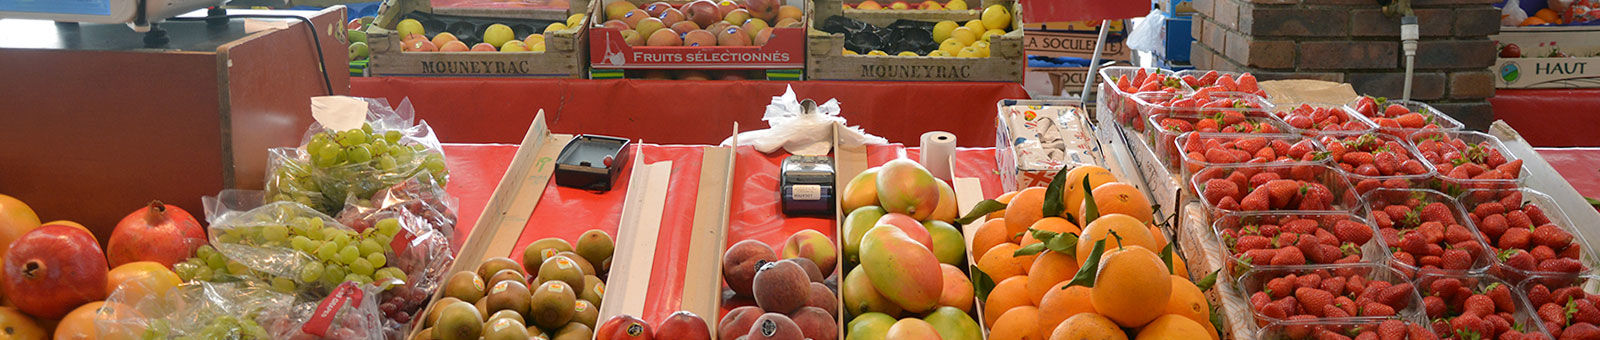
{"x": 980, "y": 210}
{"x": 1090, "y": 210}
{"x": 1052, "y": 194}
{"x": 1085, "y": 276}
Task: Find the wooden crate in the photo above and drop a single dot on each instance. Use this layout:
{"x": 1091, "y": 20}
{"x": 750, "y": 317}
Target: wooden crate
{"x": 782, "y": 57}
{"x": 565, "y": 55}
{"x": 826, "y": 59}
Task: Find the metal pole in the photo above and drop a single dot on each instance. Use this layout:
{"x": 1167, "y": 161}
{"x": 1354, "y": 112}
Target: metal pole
{"x": 1094, "y": 62}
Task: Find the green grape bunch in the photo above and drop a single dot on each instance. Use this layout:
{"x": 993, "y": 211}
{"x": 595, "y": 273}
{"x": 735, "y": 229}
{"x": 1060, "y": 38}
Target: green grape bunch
{"x": 336, "y": 166}
{"x": 294, "y": 250}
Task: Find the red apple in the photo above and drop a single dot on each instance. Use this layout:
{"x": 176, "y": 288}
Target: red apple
{"x": 699, "y": 38}
{"x": 158, "y": 232}
{"x": 702, "y": 12}
{"x": 670, "y": 16}
{"x": 725, "y": 7}
{"x": 633, "y": 17}
{"x": 623, "y": 327}
{"x": 616, "y": 24}
{"x": 53, "y": 269}
{"x": 684, "y": 27}
{"x": 766, "y": 10}
{"x": 655, "y": 8}
{"x": 733, "y": 36}
{"x": 684, "y": 325}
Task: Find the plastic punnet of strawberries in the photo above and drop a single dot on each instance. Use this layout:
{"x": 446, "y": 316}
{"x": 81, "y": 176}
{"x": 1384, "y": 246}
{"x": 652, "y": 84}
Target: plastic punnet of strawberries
{"x": 1422, "y": 229}
{"x": 1360, "y": 330}
{"x": 1192, "y": 108}
{"x": 1201, "y": 150}
{"x": 1522, "y": 235}
{"x": 1566, "y": 310}
{"x": 1343, "y": 291}
{"x": 1271, "y": 187}
{"x": 1393, "y": 115}
{"x": 1376, "y": 160}
{"x": 1213, "y": 81}
{"x": 1475, "y": 307}
{"x": 1322, "y": 118}
{"x": 1468, "y": 156}
{"x": 1292, "y": 239}
{"x": 1144, "y": 81}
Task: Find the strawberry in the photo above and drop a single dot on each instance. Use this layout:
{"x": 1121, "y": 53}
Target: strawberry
{"x": 1489, "y": 208}
{"x": 1469, "y": 324}
{"x": 1563, "y": 265}
{"x": 1259, "y": 300}
{"x": 1392, "y": 330}
{"x": 1456, "y": 233}
{"x": 1552, "y": 313}
{"x": 1377, "y": 309}
{"x": 1539, "y": 295}
{"x": 1281, "y": 191}
{"x": 1345, "y": 304}
{"x": 1289, "y": 256}
{"x": 1535, "y": 214}
{"x": 1395, "y": 295}
{"x": 1542, "y": 253}
{"x": 1216, "y": 189}
{"x": 1251, "y": 242}
{"x": 1581, "y": 331}
{"x": 1518, "y": 219}
{"x": 1501, "y": 295}
{"x": 1395, "y": 110}
{"x": 1247, "y": 83}
{"x": 1437, "y": 212}
{"x": 1515, "y": 238}
{"x": 1586, "y": 312}
{"x": 1444, "y": 286}
{"x": 1551, "y": 236}
{"x": 1411, "y": 120}
{"x": 1493, "y": 226}
{"x": 1352, "y": 232}
{"x": 1456, "y": 259}
{"x": 1262, "y": 178}
{"x": 1334, "y": 285}
{"x": 1255, "y": 201}
{"x": 1479, "y": 305}
{"x": 1434, "y": 306}
{"x": 1281, "y": 287}
{"x": 1314, "y": 300}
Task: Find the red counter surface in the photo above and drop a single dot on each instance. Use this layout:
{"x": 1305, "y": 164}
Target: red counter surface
{"x": 477, "y": 110}
{"x": 1551, "y": 117}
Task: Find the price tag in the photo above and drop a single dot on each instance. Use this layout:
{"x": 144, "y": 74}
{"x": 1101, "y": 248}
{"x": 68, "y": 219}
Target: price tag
{"x": 806, "y": 192}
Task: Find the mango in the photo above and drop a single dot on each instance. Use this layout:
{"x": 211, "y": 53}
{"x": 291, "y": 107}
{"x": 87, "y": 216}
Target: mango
{"x": 905, "y": 187}
{"x": 911, "y": 226}
{"x": 869, "y": 326}
{"x": 861, "y": 191}
{"x": 948, "y": 244}
{"x": 954, "y": 324}
{"x": 911, "y": 329}
{"x": 860, "y": 297}
{"x": 946, "y": 209}
{"x": 856, "y": 224}
{"x": 903, "y": 270}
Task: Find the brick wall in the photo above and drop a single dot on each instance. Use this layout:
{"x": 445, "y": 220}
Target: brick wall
{"x": 1352, "y": 41}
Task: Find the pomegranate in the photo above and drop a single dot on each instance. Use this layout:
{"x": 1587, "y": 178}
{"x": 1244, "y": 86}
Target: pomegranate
{"x": 53, "y": 269}
{"x": 158, "y": 232}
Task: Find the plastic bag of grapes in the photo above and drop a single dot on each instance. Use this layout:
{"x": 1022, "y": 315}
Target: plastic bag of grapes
{"x": 421, "y": 249}
{"x": 330, "y": 167}
{"x": 350, "y": 312}
{"x": 292, "y": 248}
{"x": 195, "y": 310}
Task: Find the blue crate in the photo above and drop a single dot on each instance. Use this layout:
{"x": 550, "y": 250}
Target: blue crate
{"x": 1176, "y": 38}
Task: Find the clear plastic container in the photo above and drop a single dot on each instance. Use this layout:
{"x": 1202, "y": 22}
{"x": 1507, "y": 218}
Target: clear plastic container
{"x": 1443, "y": 167}
{"x": 1190, "y": 164}
{"x": 1524, "y": 313}
{"x": 1366, "y": 183}
{"x": 1256, "y": 281}
{"x": 1378, "y": 199}
{"x": 1163, "y": 136}
{"x": 1588, "y": 284}
{"x": 1156, "y": 103}
{"x": 1436, "y": 117}
{"x": 1371, "y": 252}
{"x": 1529, "y": 197}
{"x": 1286, "y": 112}
{"x": 1198, "y": 74}
{"x": 1344, "y": 198}
{"x": 1306, "y": 329}
{"x": 1119, "y": 102}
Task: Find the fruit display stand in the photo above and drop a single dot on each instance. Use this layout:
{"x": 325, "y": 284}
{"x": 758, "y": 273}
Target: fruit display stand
{"x": 826, "y": 59}
{"x": 611, "y": 57}
{"x": 564, "y": 55}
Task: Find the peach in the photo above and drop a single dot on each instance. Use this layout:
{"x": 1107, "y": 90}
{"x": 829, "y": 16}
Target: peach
{"x": 741, "y": 261}
{"x": 442, "y": 38}
{"x": 484, "y": 47}
{"x": 774, "y": 326}
{"x": 684, "y": 325}
{"x": 699, "y": 38}
{"x": 781, "y": 287}
{"x": 454, "y": 46}
{"x": 810, "y": 267}
{"x": 737, "y": 322}
{"x": 816, "y": 323}
{"x": 664, "y": 38}
{"x": 812, "y": 245}
{"x": 823, "y": 297}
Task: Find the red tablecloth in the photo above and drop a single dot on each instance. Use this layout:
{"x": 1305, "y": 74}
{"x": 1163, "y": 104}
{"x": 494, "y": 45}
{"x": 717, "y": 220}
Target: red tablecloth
{"x": 477, "y": 110}
{"x": 1579, "y": 166}
{"x": 1551, "y": 117}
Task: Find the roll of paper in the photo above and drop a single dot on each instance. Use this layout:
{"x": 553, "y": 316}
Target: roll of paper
{"x": 937, "y": 148}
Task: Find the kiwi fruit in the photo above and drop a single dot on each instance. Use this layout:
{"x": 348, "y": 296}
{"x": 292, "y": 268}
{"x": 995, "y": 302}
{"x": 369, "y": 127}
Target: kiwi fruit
{"x": 561, "y": 268}
{"x": 574, "y": 331}
{"x": 543, "y": 249}
{"x": 507, "y": 274}
{"x": 483, "y": 307}
{"x": 458, "y": 321}
{"x": 495, "y": 265}
{"x": 464, "y": 286}
{"x": 552, "y": 305}
{"x": 595, "y": 245}
{"x": 594, "y": 290}
{"x": 588, "y": 268}
{"x": 508, "y": 314}
{"x": 433, "y": 314}
{"x": 508, "y": 295}
{"x": 505, "y": 329}
{"x": 535, "y": 333}
{"x": 586, "y": 313}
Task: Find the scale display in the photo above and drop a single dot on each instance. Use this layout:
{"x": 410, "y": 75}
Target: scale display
{"x": 75, "y": 7}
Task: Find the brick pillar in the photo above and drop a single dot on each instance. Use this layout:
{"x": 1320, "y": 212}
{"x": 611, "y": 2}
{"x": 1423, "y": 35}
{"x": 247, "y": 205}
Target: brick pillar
{"x": 1352, "y": 41}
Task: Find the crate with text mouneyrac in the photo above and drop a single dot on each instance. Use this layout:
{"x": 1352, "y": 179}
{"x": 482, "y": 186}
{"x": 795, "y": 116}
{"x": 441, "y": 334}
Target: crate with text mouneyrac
{"x": 562, "y": 54}
{"x": 828, "y": 58}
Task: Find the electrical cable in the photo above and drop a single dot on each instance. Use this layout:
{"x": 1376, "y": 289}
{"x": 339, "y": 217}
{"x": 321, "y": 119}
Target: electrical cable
{"x": 322, "y": 61}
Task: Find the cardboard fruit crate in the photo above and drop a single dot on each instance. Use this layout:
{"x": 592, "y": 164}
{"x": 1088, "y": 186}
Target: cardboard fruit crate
{"x": 1532, "y": 66}
{"x": 564, "y": 55}
{"x": 826, "y": 59}
{"x": 781, "y": 58}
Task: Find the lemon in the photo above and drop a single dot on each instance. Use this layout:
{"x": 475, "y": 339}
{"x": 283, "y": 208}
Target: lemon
{"x": 969, "y": 52}
{"x": 533, "y": 39}
{"x": 941, "y": 30}
{"x": 991, "y": 33}
{"x": 849, "y": 52}
{"x": 995, "y": 17}
{"x": 555, "y": 27}
{"x": 976, "y": 26}
{"x": 956, "y": 5}
{"x": 539, "y": 47}
{"x": 909, "y": 54}
{"x": 951, "y": 46}
{"x": 983, "y": 48}
{"x": 938, "y": 53}
{"x": 499, "y": 34}
{"x": 877, "y": 52}
{"x": 964, "y": 35}
{"x": 575, "y": 20}
{"x": 410, "y": 26}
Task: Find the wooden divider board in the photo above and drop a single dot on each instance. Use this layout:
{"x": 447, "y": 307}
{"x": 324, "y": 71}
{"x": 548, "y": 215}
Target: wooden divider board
{"x": 640, "y": 227}
{"x": 848, "y": 161}
{"x": 702, "y": 280}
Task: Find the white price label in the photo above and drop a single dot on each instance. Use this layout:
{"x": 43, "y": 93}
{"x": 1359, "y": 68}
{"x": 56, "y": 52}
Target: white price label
{"x": 806, "y": 192}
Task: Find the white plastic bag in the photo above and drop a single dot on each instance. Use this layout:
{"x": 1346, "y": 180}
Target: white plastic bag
{"x": 800, "y": 132}
{"x": 1512, "y": 14}
{"x": 1146, "y": 34}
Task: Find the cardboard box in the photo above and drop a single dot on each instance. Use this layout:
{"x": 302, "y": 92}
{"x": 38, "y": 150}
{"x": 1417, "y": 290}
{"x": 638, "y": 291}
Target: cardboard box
{"x": 609, "y": 53}
{"x": 1176, "y": 7}
{"x": 1535, "y": 70}
{"x": 1076, "y": 45}
{"x": 1118, "y": 27}
{"x": 826, "y": 59}
{"x": 1078, "y": 144}
{"x": 565, "y": 54}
